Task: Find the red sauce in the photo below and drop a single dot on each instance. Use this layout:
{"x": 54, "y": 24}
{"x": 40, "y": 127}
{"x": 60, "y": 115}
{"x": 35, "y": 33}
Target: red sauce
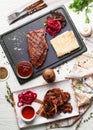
{"x": 24, "y": 69}
{"x": 28, "y": 112}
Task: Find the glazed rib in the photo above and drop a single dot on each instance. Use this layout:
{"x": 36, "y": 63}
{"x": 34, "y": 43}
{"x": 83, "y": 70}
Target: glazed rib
{"x": 55, "y": 101}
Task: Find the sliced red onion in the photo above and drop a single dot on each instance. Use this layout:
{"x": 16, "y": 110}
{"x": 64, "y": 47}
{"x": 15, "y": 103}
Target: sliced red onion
{"x": 26, "y": 98}
{"x": 53, "y": 26}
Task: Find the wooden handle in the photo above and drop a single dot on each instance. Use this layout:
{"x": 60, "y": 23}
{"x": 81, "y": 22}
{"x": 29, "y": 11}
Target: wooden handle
{"x": 33, "y": 5}
{"x": 37, "y": 8}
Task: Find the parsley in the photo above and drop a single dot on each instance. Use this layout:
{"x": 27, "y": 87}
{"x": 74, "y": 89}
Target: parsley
{"x": 80, "y": 5}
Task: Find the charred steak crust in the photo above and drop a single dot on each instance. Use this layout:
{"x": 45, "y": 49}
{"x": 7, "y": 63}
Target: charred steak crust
{"x": 37, "y": 46}
{"x": 55, "y": 101}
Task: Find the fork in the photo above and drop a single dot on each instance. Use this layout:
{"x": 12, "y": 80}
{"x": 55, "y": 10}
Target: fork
{"x": 16, "y": 14}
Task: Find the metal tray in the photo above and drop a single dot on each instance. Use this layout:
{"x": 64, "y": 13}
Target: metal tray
{"x": 14, "y": 44}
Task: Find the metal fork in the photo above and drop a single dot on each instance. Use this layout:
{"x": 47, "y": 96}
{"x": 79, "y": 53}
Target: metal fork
{"x": 16, "y": 14}
{"x": 28, "y": 12}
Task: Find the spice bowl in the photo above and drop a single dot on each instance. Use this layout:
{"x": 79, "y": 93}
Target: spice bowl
{"x": 24, "y": 69}
{"x": 4, "y": 73}
{"x": 28, "y": 113}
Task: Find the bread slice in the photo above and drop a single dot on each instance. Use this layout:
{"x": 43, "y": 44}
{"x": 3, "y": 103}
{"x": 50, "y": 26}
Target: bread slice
{"x": 85, "y": 61}
{"x": 82, "y": 99}
{"x": 64, "y": 43}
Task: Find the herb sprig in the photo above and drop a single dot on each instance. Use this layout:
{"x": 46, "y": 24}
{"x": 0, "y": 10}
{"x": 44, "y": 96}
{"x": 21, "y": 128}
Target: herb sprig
{"x": 82, "y": 120}
{"x": 9, "y": 97}
{"x": 79, "y": 123}
{"x": 79, "y": 5}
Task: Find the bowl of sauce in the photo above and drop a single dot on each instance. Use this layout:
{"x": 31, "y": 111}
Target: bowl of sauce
{"x": 24, "y": 69}
{"x": 28, "y": 113}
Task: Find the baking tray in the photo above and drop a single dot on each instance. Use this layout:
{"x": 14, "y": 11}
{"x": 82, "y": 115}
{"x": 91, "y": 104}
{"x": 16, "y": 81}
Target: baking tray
{"x": 41, "y": 90}
{"x": 14, "y": 44}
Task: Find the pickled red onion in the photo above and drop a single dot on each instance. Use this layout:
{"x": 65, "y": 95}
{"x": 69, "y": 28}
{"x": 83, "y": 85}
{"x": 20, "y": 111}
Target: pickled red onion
{"x": 26, "y": 98}
{"x": 53, "y": 26}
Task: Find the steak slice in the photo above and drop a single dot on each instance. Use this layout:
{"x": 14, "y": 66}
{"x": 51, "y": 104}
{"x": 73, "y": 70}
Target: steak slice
{"x": 37, "y": 46}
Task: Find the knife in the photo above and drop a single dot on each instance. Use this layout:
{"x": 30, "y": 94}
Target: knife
{"x": 25, "y": 13}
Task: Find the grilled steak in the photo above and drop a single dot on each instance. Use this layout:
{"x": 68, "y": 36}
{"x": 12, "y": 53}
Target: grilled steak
{"x": 37, "y": 47}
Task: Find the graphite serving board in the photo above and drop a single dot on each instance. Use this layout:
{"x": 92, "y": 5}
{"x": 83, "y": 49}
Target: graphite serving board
{"x": 14, "y": 44}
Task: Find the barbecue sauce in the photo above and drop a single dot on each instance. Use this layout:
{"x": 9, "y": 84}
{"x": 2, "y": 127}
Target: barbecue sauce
{"x": 24, "y": 69}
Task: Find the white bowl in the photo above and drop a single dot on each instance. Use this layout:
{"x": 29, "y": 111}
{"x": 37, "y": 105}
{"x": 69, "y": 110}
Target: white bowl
{"x": 26, "y": 68}
{"x": 28, "y": 113}
{"x": 2, "y": 72}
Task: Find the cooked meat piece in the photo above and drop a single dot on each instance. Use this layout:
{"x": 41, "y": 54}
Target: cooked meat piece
{"x": 37, "y": 46}
{"x": 67, "y": 108}
{"x": 54, "y": 102}
{"x": 65, "y": 96}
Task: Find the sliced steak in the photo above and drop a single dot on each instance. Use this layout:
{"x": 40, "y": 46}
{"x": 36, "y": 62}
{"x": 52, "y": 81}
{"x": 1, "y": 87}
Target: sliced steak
{"x": 37, "y": 46}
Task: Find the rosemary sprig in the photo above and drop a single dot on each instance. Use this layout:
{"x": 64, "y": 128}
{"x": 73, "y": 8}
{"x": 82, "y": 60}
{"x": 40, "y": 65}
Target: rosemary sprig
{"x": 9, "y": 95}
{"x": 84, "y": 120}
{"x": 89, "y": 117}
{"x": 79, "y": 123}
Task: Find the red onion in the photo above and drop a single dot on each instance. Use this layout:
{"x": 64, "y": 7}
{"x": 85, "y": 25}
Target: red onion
{"x": 53, "y": 26}
{"x": 26, "y": 98}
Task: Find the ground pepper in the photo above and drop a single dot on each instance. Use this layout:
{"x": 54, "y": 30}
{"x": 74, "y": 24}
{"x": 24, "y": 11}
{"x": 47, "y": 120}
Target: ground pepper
{"x": 3, "y": 73}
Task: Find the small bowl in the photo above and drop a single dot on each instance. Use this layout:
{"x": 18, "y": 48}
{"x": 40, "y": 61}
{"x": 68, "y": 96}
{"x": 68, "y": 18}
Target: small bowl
{"x": 24, "y": 69}
{"x": 28, "y": 113}
{"x": 4, "y": 73}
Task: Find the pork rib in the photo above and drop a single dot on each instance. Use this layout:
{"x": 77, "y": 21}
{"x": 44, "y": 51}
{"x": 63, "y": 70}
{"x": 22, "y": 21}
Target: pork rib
{"x": 55, "y": 101}
{"x": 37, "y": 46}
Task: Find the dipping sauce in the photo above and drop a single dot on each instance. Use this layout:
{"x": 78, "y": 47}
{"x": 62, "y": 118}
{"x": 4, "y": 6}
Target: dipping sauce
{"x": 28, "y": 113}
{"x": 24, "y": 69}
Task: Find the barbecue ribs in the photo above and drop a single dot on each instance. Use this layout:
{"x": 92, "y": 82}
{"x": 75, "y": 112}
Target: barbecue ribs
{"x": 55, "y": 101}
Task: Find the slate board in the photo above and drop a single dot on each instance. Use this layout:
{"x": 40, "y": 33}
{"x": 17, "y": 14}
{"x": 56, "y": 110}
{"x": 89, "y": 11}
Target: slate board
{"x": 14, "y": 44}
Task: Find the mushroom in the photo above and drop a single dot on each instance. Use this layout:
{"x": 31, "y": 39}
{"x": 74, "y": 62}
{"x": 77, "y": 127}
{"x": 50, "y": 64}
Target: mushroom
{"x": 49, "y": 75}
{"x": 86, "y": 30}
